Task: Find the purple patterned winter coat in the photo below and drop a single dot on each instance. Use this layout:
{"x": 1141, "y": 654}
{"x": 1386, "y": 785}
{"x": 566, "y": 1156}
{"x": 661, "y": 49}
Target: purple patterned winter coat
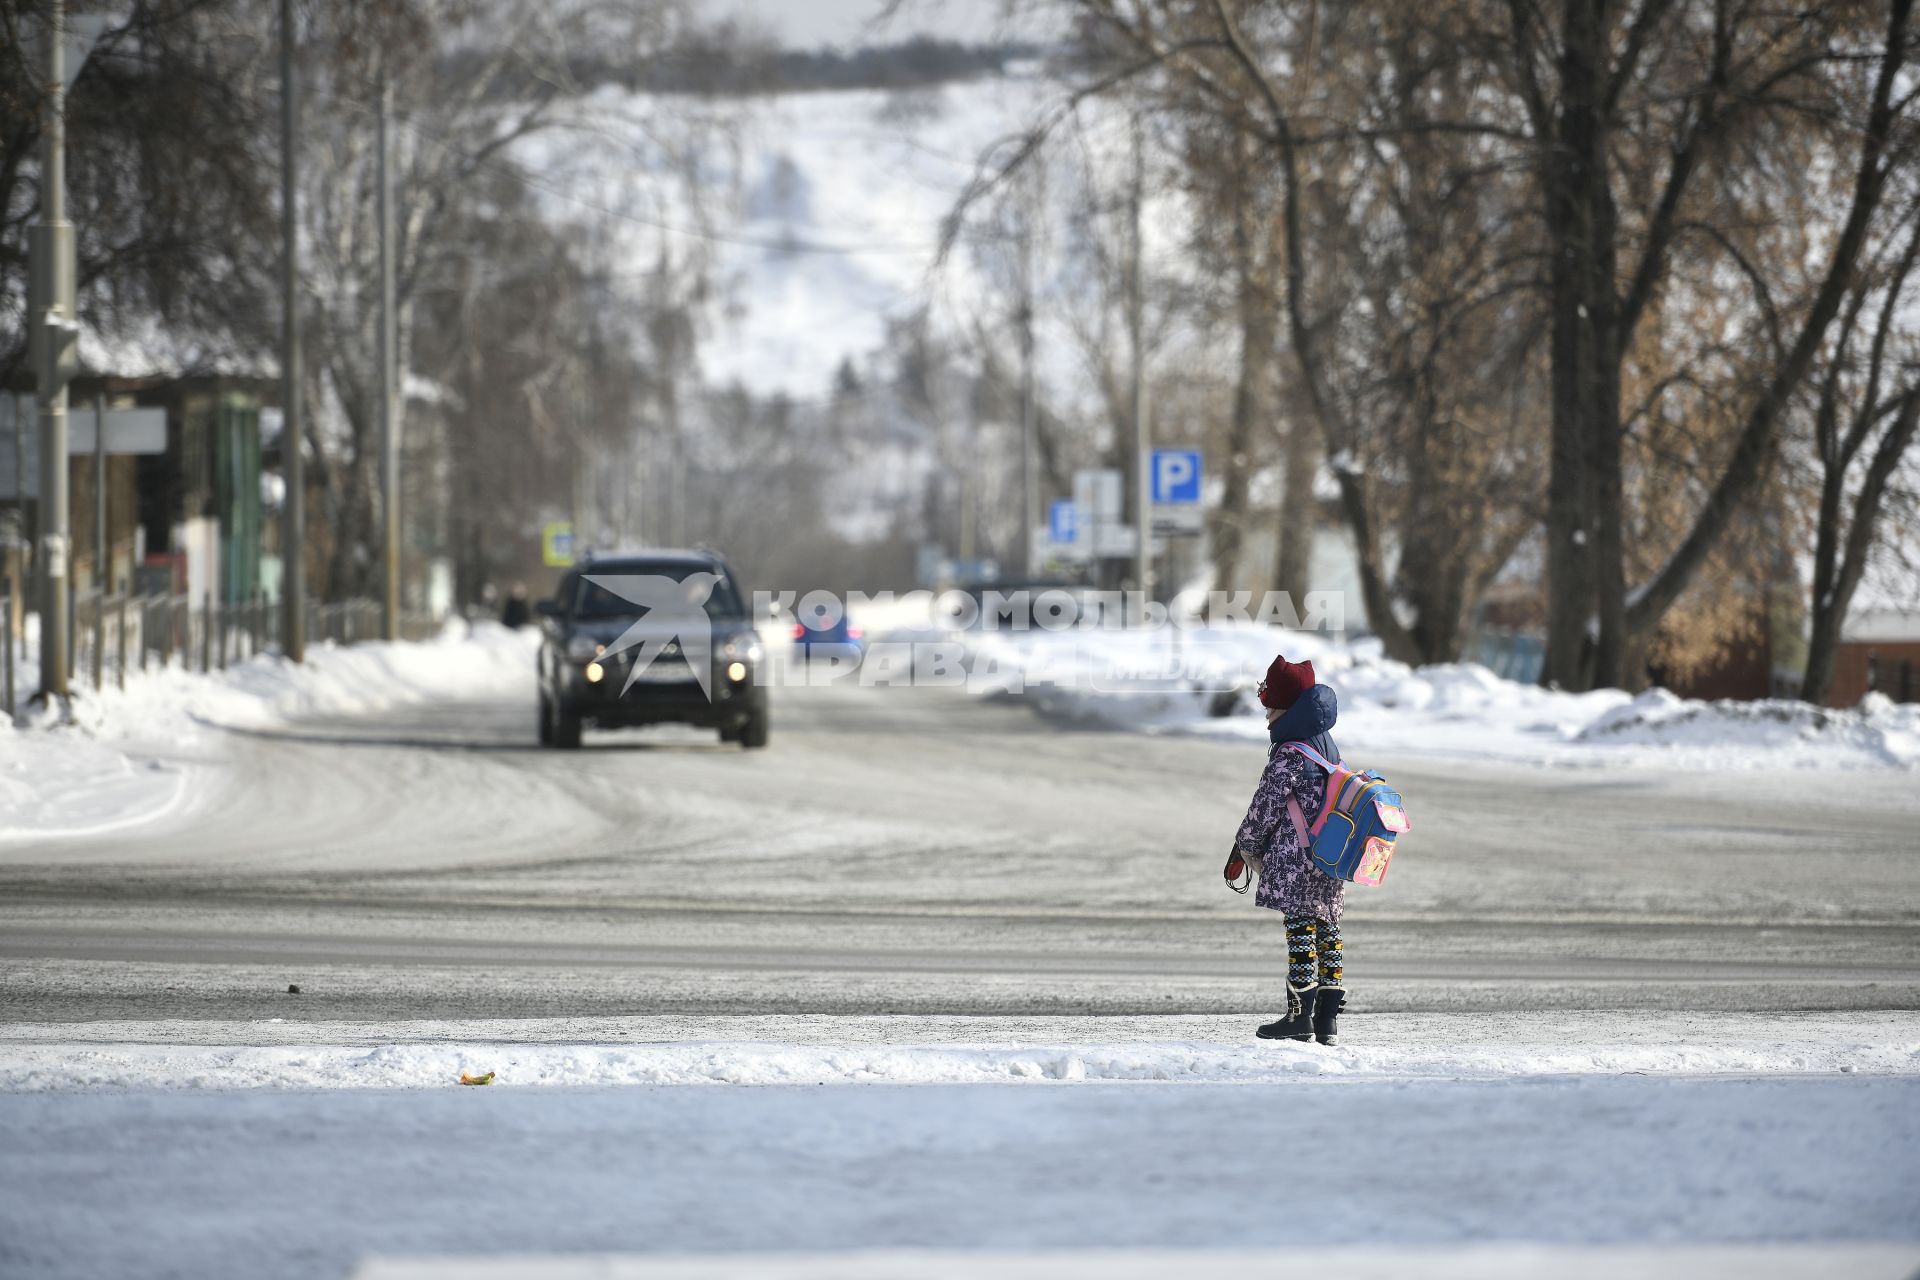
{"x": 1289, "y": 880}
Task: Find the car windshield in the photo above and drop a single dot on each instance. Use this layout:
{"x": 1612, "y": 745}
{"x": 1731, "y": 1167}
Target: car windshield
{"x": 633, "y": 588}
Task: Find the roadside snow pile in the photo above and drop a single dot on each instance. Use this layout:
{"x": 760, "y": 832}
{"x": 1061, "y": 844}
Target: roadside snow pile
{"x": 1878, "y": 727}
{"x": 466, "y": 660}
{"x": 1200, "y": 680}
{"x": 42, "y": 1067}
{"x": 67, "y": 783}
{"x": 126, "y": 755}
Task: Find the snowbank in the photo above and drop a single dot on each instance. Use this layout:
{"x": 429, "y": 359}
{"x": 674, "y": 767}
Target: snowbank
{"x": 465, "y": 660}
{"x": 1200, "y": 680}
{"x": 67, "y": 1066}
{"x": 127, "y": 755}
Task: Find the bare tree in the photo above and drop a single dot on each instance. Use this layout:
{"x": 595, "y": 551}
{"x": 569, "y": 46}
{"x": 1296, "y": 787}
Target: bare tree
{"x": 1605, "y": 157}
{"x": 168, "y": 181}
{"x": 1646, "y": 120}
{"x": 1864, "y": 421}
{"x": 1394, "y": 284}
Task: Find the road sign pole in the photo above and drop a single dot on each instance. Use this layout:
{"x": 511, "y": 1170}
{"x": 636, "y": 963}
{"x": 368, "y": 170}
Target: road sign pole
{"x": 1142, "y": 435}
{"x": 293, "y": 529}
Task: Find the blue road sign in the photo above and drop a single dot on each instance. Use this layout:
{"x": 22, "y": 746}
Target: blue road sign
{"x": 1176, "y": 477}
{"x": 556, "y": 543}
{"x": 1063, "y": 522}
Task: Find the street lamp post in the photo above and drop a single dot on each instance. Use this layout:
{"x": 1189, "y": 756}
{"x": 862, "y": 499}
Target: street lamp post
{"x": 293, "y": 528}
{"x": 1142, "y": 429}
{"x": 54, "y": 338}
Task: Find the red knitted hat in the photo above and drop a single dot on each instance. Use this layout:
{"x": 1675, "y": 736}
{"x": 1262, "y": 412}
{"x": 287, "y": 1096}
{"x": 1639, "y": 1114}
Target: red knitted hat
{"x": 1285, "y": 682}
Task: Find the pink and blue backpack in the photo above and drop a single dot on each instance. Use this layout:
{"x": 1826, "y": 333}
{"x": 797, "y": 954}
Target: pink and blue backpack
{"x": 1361, "y": 816}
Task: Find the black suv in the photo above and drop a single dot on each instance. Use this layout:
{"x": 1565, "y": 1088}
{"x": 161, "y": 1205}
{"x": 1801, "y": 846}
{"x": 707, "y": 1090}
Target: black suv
{"x": 626, "y": 639}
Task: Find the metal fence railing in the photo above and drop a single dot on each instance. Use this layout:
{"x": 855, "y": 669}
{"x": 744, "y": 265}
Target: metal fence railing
{"x": 111, "y": 635}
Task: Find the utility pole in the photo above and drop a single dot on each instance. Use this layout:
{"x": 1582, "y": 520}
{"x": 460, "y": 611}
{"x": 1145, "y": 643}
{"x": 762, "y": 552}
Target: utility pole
{"x": 293, "y": 528}
{"x": 1142, "y": 436}
{"x": 102, "y": 561}
{"x": 679, "y": 461}
{"x": 1029, "y": 477}
{"x": 968, "y": 457}
{"x": 389, "y": 381}
{"x": 54, "y": 340}
{"x": 16, "y": 554}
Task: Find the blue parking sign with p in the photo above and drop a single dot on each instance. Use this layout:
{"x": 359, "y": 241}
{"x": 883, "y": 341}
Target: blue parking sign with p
{"x": 1063, "y": 522}
{"x": 1176, "y": 477}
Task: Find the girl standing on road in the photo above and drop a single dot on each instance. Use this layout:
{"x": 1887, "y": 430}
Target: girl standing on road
{"x": 1298, "y": 710}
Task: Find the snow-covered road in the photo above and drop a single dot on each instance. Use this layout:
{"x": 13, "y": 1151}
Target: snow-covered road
{"x": 921, "y": 851}
{"x": 987, "y": 927}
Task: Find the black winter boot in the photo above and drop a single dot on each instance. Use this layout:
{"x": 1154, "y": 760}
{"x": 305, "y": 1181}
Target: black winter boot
{"x": 1298, "y": 1024}
{"x": 1326, "y": 1014}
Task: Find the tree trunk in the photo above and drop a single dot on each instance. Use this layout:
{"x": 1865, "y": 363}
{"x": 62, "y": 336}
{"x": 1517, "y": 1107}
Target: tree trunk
{"x": 1823, "y": 641}
{"x": 1354, "y": 507}
{"x": 1228, "y": 524}
{"x": 1744, "y": 469}
{"x": 1823, "y": 651}
{"x": 1585, "y": 596}
{"x": 1835, "y": 583}
{"x": 1299, "y": 511}
{"x": 1229, "y": 519}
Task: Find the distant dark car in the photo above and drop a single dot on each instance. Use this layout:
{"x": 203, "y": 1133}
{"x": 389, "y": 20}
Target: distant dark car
{"x": 816, "y": 638}
{"x": 1027, "y": 605}
{"x": 659, "y": 612}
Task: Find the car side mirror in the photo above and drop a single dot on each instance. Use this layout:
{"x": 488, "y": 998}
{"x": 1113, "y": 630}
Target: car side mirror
{"x": 547, "y": 608}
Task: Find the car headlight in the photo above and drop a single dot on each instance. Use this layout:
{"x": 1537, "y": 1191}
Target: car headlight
{"x": 580, "y": 648}
{"x": 742, "y": 647}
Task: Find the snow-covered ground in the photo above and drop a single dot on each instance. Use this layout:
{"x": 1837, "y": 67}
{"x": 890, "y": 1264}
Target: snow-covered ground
{"x": 301, "y": 1183}
{"x": 135, "y": 755}
{"x": 1180, "y": 680}
{"x": 300, "y": 1148}
{"x": 1429, "y": 1262}
{"x": 1179, "y": 1050}
{"x": 104, "y": 769}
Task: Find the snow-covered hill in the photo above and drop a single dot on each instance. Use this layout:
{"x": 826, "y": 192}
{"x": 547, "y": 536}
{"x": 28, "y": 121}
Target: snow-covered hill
{"x": 818, "y": 214}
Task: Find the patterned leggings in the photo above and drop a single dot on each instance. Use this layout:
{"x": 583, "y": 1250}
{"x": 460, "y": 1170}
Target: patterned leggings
{"x": 1313, "y": 953}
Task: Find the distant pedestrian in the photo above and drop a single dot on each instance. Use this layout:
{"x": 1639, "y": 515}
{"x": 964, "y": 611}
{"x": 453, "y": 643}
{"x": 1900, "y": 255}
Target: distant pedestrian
{"x": 515, "y": 614}
{"x": 1291, "y": 790}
